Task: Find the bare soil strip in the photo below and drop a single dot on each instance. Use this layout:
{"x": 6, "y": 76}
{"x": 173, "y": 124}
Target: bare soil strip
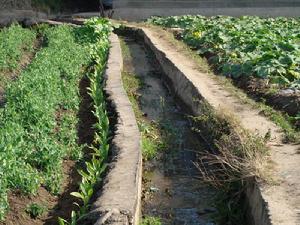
{"x": 283, "y": 197}
{"x": 285, "y": 100}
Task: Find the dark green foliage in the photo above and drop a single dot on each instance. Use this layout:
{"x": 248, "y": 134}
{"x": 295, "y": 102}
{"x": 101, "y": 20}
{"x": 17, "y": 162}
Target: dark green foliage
{"x": 95, "y": 32}
{"x": 13, "y": 41}
{"x": 266, "y": 48}
{"x": 54, "y": 5}
{"x": 35, "y": 210}
{"x": 38, "y": 123}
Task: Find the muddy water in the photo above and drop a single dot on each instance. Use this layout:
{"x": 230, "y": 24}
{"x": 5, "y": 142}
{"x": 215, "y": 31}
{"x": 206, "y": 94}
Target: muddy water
{"x": 171, "y": 189}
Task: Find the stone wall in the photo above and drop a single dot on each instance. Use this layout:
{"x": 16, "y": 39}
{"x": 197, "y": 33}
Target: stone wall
{"x": 205, "y": 3}
{"x": 142, "y": 9}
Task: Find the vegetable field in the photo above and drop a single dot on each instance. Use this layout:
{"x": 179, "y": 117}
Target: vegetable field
{"x": 246, "y": 46}
{"x": 38, "y": 124}
{"x": 17, "y": 45}
{"x": 131, "y": 127}
{"x": 13, "y": 41}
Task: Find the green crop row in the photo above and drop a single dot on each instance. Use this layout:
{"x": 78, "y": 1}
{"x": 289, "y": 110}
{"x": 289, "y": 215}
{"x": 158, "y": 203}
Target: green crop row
{"x": 266, "y": 48}
{"x": 38, "y": 123}
{"x": 13, "y": 42}
{"x": 96, "y": 33}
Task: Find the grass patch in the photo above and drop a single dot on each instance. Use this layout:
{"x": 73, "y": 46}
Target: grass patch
{"x": 151, "y": 135}
{"x": 156, "y": 135}
{"x": 151, "y": 139}
{"x": 236, "y": 154}
{"x": 35, "y": 210}
{"x": 150, "y": 220}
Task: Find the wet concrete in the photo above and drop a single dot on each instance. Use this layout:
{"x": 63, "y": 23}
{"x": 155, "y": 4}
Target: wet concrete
{"x": 171, "y": 187}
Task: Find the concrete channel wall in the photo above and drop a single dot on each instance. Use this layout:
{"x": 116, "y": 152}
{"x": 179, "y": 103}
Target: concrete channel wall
{"x": 133, "y": 10}
{"x": 27, "y": 17}
{"x": 187, "y": 92}
{"x": 19, "y": 11}
{"x": 119, "y": 200}
{"x": 267, "y": 204}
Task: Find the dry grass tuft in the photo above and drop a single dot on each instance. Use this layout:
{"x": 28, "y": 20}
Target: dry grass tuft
{"x": 236, "y": 155}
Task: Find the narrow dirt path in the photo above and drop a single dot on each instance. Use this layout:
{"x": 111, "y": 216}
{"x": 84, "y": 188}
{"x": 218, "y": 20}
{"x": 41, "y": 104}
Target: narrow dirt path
{"x": 171, "y": 189}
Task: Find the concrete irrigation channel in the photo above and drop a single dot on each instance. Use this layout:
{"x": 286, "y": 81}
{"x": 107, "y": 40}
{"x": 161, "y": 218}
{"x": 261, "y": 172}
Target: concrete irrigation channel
{"x": 170, "y": 190}
{"x": 168, "y": 186}
{"x": 177, "y": 195}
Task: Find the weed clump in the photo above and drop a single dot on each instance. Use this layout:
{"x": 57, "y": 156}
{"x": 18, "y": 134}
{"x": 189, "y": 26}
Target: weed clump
{"x": 235, "y": 158}
{"x": 149, "y": 220}
{"x": 35, "y": 210}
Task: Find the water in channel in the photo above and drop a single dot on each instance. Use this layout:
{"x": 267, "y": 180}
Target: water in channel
{"x": 172, "y": 189}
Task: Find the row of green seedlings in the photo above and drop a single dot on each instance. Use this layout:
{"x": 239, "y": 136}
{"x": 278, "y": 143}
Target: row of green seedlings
{"x": 100, "y": 148}
{"x": 38, "y": 123}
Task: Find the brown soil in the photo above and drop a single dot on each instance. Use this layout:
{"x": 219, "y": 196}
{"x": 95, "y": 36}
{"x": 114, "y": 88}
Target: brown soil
{"x": 62, "y": 204}
{"x": 9, "y": 75}
{"x": 285, "y": 100}
{"x": 85, "y": 115}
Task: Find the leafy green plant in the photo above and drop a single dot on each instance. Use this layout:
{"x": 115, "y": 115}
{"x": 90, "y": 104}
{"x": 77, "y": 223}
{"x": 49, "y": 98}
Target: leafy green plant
{"x": 238, "y": 48}
{"x": 14, "y": 40}
{"x": 266, "y": 48}
{"x": 96, "y": 33}
{"x": 150, "y": 220}
{"x": 35, "y": 210}
{"x": 38, "y": 123}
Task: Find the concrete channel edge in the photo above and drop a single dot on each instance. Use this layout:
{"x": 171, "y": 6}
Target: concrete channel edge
{"x": 185, "y": 90}
{"x": 119, "y": 200}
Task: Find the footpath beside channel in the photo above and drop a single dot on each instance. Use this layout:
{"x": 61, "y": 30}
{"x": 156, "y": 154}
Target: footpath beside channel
{"x": 276, "y": 204}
